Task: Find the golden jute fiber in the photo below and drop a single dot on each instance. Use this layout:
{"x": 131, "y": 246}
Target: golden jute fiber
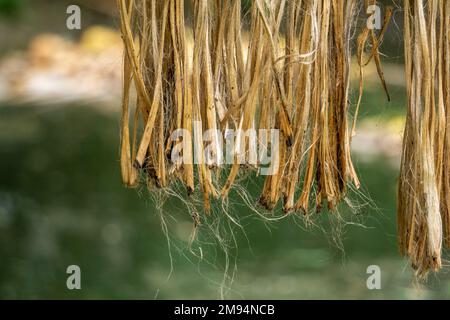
{"x": 290, "y": 73}
{"x": 282, "y": 66}
{"x": 424, "y": 186}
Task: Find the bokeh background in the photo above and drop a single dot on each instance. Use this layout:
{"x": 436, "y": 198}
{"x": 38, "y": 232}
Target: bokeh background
{"x": 62, "y": 201}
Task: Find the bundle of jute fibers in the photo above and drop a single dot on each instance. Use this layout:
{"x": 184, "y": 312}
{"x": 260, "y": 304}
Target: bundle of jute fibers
{"x": 285, "y": 70}
{"x": 424, "y": 186}
{"x": 369, "y": 36}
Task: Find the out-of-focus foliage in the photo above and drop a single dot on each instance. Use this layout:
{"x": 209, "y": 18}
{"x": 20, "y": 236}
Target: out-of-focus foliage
{"x": 246, "y": 4}
{"x": 10, "y": 7}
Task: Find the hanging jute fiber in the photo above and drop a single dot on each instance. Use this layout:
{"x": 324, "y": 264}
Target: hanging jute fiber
{"x": 286, "y": 69}
{"x": 424, "y": 186}
{"x": 282, "y": 67}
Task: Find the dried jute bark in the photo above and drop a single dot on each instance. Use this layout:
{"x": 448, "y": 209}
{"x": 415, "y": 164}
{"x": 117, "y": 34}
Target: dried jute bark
{"x": 424, "y": 186}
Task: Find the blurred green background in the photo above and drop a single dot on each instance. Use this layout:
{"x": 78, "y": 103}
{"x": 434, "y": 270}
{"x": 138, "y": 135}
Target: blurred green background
{"x": 62, "y": 203}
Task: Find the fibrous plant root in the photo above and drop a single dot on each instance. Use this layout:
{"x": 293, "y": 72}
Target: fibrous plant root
{"x": 424, "y": 193}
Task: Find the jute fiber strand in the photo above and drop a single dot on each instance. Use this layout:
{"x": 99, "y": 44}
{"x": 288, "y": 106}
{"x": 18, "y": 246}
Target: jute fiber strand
{"x": 287, "y": 69}
{"x": 424, "y": 186}
{"x": 369, "y": 36}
